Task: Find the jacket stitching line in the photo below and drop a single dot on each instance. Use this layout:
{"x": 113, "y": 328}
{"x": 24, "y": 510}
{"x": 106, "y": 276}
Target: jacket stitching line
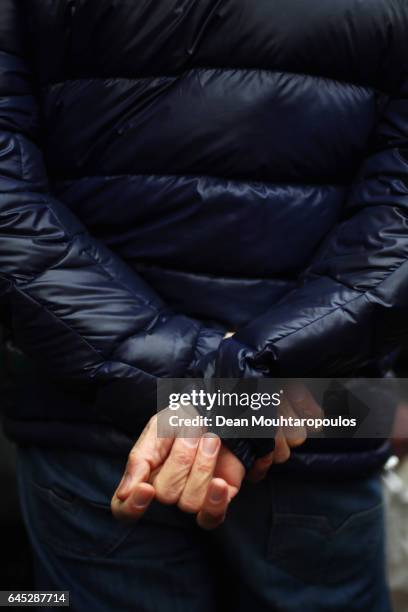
{"x": 71, "y": 239}
{"x": 104, "y": 359}
{"x": 361, "y": 294}
{"x": 188, "y": 71}
{"x": 26, "y": 294}
{"x": 281, "y": 281}
{"x": 128, "y": 289}
{"x": 260, "y": 183}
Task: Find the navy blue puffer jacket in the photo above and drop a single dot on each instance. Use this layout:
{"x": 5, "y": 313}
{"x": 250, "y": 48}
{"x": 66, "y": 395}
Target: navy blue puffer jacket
{"x": 174, "y": 169}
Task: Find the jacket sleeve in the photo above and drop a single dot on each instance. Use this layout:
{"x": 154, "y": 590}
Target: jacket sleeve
{"x": 351, "y": 304}
{"x": 76, "y": 307}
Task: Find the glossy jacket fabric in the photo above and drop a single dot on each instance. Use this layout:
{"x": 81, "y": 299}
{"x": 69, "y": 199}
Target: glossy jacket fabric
{"x": 173, "y": 169}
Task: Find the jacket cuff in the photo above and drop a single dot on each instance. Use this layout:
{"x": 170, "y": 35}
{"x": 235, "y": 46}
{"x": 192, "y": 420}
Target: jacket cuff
{"x": 236, "y": 360}
{"x": 232, "y": 359}
{"x": 248, "y": 450}
{"x": 241, "y": 449}
{"x": 228, "y": 359}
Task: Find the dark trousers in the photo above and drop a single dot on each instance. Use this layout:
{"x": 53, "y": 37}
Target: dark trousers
{"x": 288, "y": 544}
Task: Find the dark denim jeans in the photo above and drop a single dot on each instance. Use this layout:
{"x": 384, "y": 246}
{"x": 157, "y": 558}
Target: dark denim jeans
{"x": 288, "y": 544}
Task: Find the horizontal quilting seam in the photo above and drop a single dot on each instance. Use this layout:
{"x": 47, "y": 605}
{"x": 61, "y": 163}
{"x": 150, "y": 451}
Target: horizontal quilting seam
{"x": 192, "y": 70}
{"x": 51, "y": 265}
{"x": 146, "y": 267}
{"x": 226, "y": 179}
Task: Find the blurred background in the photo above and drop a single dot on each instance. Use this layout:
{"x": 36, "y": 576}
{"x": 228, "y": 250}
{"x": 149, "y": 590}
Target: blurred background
{"x": 16, "y": 559}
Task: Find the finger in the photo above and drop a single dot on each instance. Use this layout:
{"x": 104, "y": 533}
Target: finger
{"x": 137, "y": 470}
{"x": 170, "y": 480}
{"x": 148, "y": 452}
{"x": 295, "y": 435}
{"x": 135, "y": 505}
{"x": 282, "y": 450}
{"x": 260, "y": 468}
{"x": 195, "y": 490}
{"x": 230, "y": 469}
{"x": 215, "y": 505}
{"x": 303, "y": 402}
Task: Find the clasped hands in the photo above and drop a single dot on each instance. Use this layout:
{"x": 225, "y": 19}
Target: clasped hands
{"x": 200, "y": 474}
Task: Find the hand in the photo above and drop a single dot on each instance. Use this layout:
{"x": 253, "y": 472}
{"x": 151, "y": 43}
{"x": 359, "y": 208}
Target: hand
{"x": 198, "y": 474}
{"x": 187, "y": 472}
{"x": 297, "y": 402}
{"x": 399, "y": 436}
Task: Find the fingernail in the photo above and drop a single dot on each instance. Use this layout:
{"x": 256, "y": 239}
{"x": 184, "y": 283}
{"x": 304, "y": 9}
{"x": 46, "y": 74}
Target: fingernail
{"x": 124, "y": 486}
{"x": 210, "y": 445}
{"x": 141, "y": 498}
{"x": 216, "y": 495}
{"x": 191, "y": 442}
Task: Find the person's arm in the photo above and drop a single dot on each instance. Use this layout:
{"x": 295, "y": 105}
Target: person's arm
{"x": 76, "y": 307}
{"x": 351, "y": 304}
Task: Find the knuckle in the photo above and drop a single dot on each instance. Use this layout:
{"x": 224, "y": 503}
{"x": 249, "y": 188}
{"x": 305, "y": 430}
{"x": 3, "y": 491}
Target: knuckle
{"x": 152, "y": 420}
{"x": 134, "y": 457}
{"x": 183, "y": 458}
{"x": 203, "y": 468}
{"x": 132, "y": 464}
